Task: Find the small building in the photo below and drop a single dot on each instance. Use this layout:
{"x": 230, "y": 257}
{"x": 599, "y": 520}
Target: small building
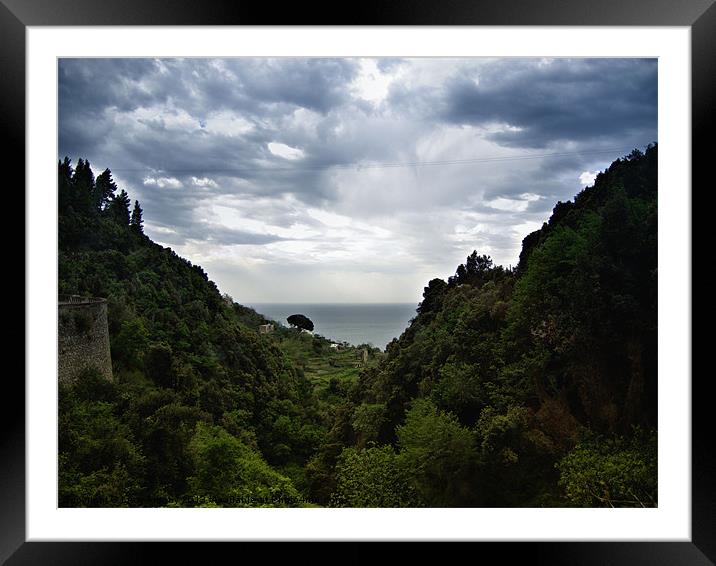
{"x": 265, "y": 328}
{"x": 335, "y": 346}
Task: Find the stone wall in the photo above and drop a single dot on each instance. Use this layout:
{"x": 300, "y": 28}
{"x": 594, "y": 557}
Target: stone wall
{"x": 83, "y": 338}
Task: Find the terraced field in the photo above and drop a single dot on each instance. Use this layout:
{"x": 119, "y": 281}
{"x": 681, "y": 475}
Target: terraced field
{"x": 321, "y": 363}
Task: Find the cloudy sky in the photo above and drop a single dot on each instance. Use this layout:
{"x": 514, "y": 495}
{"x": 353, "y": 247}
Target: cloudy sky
{"x": 350, "y": 180}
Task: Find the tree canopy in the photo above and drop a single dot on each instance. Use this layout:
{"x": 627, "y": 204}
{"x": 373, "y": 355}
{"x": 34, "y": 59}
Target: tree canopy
{"x": 300, "y": 321}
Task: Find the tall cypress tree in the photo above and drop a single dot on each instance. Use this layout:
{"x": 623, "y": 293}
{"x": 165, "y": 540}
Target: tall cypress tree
{"x": 105, "y": 188}
{"x": 83, "y": 186}
{"x": 136, "y": 221}
{"x": 118, "y": 208}
{"x": 65, "y": 189}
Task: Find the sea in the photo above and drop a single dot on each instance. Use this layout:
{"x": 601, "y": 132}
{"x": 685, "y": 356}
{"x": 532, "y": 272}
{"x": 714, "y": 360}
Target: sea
{"x": 356, "y": 323}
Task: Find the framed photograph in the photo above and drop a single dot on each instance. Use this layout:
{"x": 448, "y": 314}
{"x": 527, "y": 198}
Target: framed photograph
{"x": 318, "y": 169}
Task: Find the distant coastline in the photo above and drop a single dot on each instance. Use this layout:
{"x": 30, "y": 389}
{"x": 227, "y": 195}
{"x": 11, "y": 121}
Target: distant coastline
{"x": 355, "y": 323}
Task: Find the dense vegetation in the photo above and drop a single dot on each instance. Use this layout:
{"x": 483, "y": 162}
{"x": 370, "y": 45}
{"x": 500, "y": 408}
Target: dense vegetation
{"x": 533, "y": 386}
{"x": 195, "y": 386}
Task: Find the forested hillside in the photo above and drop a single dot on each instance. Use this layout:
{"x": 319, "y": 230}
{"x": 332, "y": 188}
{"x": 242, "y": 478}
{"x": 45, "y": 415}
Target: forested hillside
{"x": 526, "y": 387}
{"x": 533, "y": 386}
{"x": 202, "y": 409}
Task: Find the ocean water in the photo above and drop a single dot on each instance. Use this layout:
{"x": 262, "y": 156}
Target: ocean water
{"x": 374, "y": 323}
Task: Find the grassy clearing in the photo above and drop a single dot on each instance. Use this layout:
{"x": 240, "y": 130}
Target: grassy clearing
{"x": 320, "y": 362}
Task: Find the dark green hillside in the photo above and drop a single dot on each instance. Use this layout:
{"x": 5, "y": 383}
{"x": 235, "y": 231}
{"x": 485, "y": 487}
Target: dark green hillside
{"x": 182, "y": 355}
{"x": 507, "y": 383}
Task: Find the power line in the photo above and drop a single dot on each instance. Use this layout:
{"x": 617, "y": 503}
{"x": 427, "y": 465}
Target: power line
{"x": 361, "y": 167}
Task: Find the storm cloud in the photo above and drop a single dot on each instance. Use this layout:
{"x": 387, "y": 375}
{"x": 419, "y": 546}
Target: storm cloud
{"x": 541, "y": 104}
{"x": 318, "y": 179}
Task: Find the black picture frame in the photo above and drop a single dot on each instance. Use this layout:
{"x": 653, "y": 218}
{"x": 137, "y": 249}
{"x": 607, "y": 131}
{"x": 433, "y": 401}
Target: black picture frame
{"x": 16, "y": 15}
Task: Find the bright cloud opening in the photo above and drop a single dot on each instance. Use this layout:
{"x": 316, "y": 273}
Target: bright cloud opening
{"x": 161, "y": 182}
{"x": 285, "y": 151}
{"x": 587, "y": 177}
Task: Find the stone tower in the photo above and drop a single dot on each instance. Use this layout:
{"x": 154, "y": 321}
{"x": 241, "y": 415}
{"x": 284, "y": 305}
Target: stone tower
{"x": 83, "y": 337}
